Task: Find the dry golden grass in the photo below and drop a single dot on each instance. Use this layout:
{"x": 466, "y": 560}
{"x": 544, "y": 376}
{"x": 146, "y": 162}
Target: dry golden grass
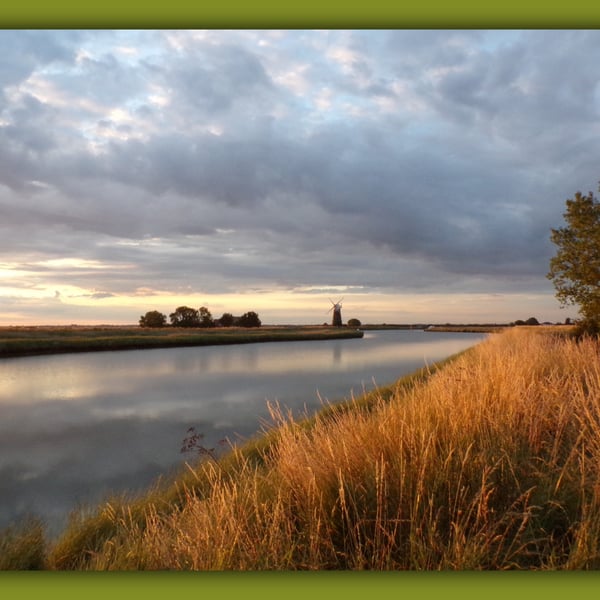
{"x": 492, "y": 463}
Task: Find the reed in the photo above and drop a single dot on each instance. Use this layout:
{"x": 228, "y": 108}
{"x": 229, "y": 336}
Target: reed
{"x": 490, "y": 462}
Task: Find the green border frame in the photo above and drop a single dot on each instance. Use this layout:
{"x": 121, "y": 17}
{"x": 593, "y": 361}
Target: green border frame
{"x": 267, "y": 14}
{"x": 300, "y": 586}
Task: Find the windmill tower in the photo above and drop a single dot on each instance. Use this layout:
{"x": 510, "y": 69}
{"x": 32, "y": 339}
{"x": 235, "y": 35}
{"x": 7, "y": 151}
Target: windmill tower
{"x": 337, "y": 313}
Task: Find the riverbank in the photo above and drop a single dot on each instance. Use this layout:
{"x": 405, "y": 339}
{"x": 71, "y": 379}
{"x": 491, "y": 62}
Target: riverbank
{"x": 27, "y": 341}
{"x": 486, "y": 462}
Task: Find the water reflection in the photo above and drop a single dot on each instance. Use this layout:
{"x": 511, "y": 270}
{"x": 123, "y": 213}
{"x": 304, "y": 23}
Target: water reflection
{"x": 73, "y": 427}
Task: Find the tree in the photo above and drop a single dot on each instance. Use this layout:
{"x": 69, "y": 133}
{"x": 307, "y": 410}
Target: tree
{"x": 354, "y": 323}
{"x": 184, "y": 316}
{"x": 205, "y": 317}
{"x": 575, "y": 270}
{"x": 249, "y": 319}
{"x": 227, "y": 320}
{"x": 153, "y": 318}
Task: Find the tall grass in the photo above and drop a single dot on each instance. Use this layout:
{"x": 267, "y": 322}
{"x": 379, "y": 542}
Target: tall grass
{"x": 492, "y": 462}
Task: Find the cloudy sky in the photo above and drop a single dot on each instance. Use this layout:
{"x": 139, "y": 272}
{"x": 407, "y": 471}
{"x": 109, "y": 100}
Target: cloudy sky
{"x": 415, "y": 174}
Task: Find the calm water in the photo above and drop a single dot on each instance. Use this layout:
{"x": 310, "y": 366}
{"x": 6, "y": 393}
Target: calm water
{"x": 75, "y": 427}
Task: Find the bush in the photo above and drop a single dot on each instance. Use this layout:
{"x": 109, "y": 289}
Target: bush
{"x": 587, "y": 328}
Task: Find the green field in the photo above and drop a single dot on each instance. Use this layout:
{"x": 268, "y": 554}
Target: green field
{"x": 21, "y": 341}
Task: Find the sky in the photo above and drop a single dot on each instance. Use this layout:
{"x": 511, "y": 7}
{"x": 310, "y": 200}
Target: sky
{"x": 415, "y": 175}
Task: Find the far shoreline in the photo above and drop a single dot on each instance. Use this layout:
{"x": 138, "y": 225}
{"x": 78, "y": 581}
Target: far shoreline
{"x": 31, "y": 340}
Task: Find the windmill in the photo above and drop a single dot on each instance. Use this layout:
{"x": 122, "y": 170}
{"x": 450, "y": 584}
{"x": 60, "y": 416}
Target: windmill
{"x": 337, "y": 312}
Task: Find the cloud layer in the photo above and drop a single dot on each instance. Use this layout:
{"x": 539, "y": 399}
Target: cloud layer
{"x": 185, "y": 164}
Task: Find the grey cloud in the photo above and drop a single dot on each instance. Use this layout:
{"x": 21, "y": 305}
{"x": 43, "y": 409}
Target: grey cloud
{"x": 107, "y": 79}
{"x": 529, "y": 93}
{"x": 470, "y": 186}
{"x": 410, "y": 54}
{"x": 397, "y": 200}
{"x": 101, "y": 295}
{"x": 29, "y": 126}
{"x": 24, "y": 51}
{"x": 217, "y": 78}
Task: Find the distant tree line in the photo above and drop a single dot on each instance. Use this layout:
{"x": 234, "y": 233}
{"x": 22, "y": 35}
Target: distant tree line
{"x": 184, "y": 316}
{"x": 530, "y": 321}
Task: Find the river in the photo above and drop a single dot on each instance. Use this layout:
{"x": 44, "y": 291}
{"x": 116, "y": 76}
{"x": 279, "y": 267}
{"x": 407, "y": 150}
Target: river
{"x": 76, "y": 427}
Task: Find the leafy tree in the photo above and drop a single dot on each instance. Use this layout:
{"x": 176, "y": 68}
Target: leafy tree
{"x": 153, "y": 318}
{"x": 354, "y": 323}
{"x": 249, "y": 319}
{"x": 227, "y": 320}
{"x": 532, "y": 321}
{"x": 575, "y": 270}
{"x": 184, "y": 316}
{"x": 205, "y": 317}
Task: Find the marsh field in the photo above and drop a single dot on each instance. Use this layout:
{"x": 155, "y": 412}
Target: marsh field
{"x": 489, "y": 460}
{"x": 24, "y": 340}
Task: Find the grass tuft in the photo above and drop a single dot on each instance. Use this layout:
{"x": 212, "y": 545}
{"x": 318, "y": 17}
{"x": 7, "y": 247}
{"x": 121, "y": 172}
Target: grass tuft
{"x": 23, "y": 547}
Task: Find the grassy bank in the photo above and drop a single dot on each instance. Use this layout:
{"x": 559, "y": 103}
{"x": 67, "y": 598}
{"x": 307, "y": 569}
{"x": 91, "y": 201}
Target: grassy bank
{"x": 490, "y": 462}
{"x": 22, "y": 341}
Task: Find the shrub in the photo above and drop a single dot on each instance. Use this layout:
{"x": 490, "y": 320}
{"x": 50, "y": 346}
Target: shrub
{"x": 587, "y": 328}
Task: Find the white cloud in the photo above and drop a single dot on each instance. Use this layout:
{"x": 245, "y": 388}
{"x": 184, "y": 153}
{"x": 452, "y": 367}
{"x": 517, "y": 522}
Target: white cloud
{"x": 295, "y": 79}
